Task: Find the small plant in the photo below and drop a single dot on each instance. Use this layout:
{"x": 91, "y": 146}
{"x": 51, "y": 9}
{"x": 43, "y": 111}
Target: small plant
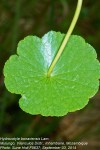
{"x": 54, "y": 75}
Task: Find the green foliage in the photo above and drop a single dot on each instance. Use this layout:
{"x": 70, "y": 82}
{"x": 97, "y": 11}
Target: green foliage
{"x": 72, "y": 82}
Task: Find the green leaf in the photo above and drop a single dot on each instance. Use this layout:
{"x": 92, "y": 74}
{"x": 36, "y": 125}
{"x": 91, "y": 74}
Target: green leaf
{"x": 73, "y": 81}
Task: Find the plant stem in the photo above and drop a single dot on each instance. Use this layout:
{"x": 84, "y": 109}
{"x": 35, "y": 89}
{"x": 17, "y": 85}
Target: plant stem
{"x": 70, "y": 30}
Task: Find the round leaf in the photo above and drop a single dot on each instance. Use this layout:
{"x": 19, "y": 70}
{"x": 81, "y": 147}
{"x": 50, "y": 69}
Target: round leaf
{"x": 74, "y": 79}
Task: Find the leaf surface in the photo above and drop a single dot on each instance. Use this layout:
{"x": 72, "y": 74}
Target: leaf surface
{"x": 74, "y": 79}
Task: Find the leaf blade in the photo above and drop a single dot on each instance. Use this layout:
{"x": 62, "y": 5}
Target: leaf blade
{"x": 73, "y": 81}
